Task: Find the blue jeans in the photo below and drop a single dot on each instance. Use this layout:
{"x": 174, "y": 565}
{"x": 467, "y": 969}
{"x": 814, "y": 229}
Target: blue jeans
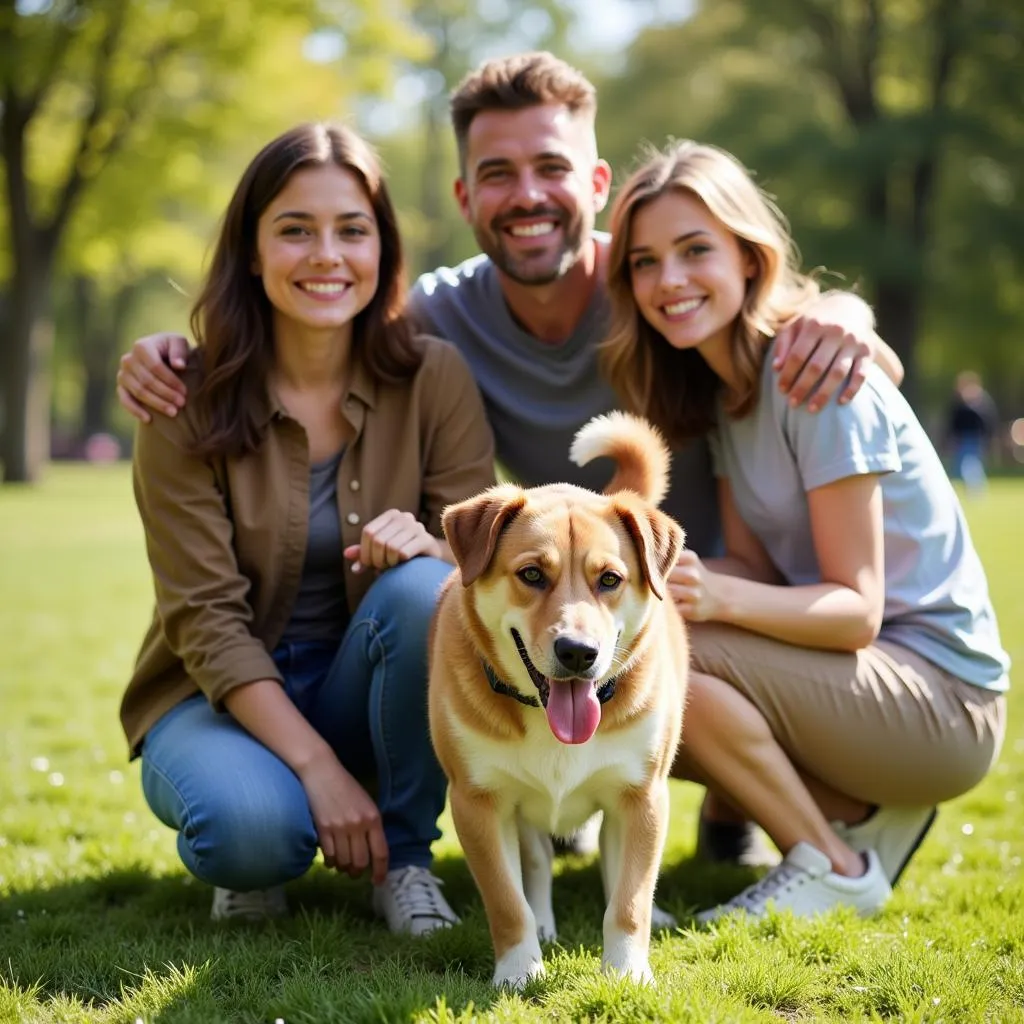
{"x": 241, "y": 814}
{"x": 969, "y": 462}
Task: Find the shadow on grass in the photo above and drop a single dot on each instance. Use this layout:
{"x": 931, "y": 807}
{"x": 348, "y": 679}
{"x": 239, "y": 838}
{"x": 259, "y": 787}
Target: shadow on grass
{"x": 147, "y": 943}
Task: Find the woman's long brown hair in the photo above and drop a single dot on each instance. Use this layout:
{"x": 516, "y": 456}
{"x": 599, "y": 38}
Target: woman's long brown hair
{"x": 232, "y": 319}
{"x": 676, "y": 389}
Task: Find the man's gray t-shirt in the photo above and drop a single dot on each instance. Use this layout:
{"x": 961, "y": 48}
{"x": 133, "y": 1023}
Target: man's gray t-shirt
{"x": 936, "y": 594}
{"x": 538, "y": 394}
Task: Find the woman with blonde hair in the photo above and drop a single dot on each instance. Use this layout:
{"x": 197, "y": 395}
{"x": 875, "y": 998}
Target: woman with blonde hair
{"x": 847, "y": 670}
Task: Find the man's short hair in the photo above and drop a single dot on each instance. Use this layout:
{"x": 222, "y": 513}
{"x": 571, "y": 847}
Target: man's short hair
{"x": 514, "y": 83}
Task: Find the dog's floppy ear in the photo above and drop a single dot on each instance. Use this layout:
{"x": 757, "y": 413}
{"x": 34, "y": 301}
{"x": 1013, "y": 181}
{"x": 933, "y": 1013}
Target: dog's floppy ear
{"x": 472, "y": 527}
{"x": 658, "y": 539}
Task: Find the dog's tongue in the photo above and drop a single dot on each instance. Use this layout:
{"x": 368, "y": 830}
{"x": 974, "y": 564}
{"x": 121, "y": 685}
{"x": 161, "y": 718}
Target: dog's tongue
{"x": 574, "y": 711}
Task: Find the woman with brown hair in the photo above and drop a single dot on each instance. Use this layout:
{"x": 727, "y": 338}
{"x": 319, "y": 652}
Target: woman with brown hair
{"x": 847, "y": 669}
{"x": 292, "y": 521}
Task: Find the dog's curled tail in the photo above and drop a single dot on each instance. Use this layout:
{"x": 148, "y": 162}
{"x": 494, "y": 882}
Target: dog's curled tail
{"x": 639, "y": 450}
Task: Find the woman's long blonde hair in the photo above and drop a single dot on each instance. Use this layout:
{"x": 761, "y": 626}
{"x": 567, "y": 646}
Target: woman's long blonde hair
{"x": 674, "y": 388}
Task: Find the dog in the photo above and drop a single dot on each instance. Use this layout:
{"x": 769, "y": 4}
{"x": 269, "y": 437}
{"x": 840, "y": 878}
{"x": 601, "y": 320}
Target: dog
{"x": 557, "y": 682}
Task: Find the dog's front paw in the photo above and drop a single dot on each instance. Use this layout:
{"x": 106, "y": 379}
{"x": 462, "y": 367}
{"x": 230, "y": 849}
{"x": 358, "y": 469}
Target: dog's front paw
{"x": 519, "y": 965}
{"x": 636, "y": 969}
{"x": 625, "y": 955}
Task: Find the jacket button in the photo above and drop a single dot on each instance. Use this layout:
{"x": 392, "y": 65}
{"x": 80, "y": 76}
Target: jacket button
{"x": 353, "y": 485}
{"x": 353, "y": 518}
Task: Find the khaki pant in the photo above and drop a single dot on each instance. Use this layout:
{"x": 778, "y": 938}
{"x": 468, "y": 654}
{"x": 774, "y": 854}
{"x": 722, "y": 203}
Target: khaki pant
{"x": 882, "y": 725}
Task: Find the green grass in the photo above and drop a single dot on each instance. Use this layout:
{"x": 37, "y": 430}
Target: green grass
{"x": 99, "y": 922}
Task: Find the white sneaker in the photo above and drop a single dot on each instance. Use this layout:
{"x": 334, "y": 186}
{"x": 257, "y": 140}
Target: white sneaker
{"x": 894, "y": 833}
{"x": 662, "y": 920}
{"x": 255, "y": 905}
{"x": 410, "y": 901}
{"x": 806, "y": 884}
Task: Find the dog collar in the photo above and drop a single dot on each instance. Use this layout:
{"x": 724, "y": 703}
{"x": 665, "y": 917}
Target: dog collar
{"x": 508, "y": 691}
{"x": 504, "y": 689}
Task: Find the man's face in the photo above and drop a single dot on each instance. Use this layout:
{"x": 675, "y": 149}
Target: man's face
{"x": 531, "y": 190}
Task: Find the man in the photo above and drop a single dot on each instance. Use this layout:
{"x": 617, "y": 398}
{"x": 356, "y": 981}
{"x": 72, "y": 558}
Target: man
{"x": 529, "y": 311}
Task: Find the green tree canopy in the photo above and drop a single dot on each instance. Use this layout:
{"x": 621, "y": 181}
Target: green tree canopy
{"x": 157, "y": 95}
{"x": 891, "y": 132}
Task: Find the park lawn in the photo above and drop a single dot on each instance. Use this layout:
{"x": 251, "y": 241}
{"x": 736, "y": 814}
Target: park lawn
{"x": 99, "y": 922}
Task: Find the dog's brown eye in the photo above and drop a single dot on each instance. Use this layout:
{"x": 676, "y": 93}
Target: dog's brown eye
{"x": 609, "y": 580}
{"x": 531, "y": 576}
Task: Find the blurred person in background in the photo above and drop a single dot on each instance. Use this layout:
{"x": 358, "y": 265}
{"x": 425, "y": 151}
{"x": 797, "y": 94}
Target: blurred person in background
{"x": 971, "y": 426}
{"x": 292, "y": 522}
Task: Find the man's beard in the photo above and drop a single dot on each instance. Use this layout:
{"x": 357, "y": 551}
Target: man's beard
{"x": 531, "y": 271}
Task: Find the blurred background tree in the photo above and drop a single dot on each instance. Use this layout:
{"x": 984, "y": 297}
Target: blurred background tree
{"x": 891, "y": 132}
{"x": 127, "y": 116}
{"x": 414, "y": 133}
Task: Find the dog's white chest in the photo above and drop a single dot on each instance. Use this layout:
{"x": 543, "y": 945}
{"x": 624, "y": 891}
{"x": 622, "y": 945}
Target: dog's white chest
{"x": 556, "y": 786}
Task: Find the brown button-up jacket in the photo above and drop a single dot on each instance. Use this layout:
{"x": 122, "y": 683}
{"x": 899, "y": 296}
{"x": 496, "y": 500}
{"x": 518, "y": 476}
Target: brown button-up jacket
{"x": 226, "y": 537}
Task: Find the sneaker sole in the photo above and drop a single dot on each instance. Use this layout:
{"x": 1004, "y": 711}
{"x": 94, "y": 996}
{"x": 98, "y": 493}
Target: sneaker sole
{"x": 925, "y": 829}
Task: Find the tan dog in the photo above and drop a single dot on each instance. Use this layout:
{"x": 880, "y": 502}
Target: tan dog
{"x": 558, "y": 675}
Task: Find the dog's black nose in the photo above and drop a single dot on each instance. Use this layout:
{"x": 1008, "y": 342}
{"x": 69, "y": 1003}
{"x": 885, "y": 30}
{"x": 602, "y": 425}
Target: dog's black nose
{"x": 575, "y": 655}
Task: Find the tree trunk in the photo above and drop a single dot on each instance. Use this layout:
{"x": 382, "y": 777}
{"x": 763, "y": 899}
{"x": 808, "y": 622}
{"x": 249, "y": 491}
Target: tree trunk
{"x": 25, "y": 443}
{"x": 433, "y": 199}
{"x": 87, "y": 333}
{"x": 898, "y": 317}
{"x": 100, "y": 324}
{"x": 95, "y": 404}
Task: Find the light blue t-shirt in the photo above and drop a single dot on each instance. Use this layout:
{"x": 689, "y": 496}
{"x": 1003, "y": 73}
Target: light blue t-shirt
{"x": 537, "y": 395}
{"x": 936, "y": 594}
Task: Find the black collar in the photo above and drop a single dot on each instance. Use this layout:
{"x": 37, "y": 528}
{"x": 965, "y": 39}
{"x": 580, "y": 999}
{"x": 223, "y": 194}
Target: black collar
{"x": 604, "y": 695}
